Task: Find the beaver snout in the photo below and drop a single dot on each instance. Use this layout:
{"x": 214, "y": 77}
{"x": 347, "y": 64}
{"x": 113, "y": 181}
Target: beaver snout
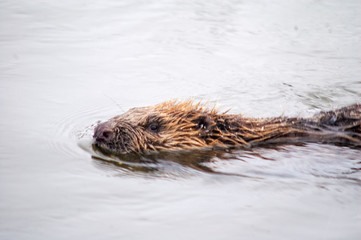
{"x": 103, "y": 133}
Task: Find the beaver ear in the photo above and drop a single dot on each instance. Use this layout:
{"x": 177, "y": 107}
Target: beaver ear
{"x": 204, "y": 122}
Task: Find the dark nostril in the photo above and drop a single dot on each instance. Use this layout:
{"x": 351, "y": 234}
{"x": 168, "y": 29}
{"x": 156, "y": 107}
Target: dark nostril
{"x": 103, "y": 132}
{"x": 107, "y": 134}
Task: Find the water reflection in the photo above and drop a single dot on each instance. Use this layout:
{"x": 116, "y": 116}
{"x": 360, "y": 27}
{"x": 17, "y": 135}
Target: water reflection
{"x": 276, "y": 161}
{"x": 165, "y": 163}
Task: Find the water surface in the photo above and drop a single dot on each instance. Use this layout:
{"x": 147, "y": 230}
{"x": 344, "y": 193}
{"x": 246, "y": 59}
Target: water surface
{"x": 66, "y": 65}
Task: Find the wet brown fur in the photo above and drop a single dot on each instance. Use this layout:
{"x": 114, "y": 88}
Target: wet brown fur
{"x": 174, "y": 125}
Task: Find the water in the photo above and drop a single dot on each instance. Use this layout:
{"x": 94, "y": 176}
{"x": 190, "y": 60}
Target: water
{"x": 65, "y": 65}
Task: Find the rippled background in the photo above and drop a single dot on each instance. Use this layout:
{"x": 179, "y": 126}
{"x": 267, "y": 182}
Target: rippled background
{"x": 65, "y": 65}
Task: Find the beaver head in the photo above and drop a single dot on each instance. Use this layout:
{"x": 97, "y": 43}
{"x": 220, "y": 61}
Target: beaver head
{"x": 167, "y": 126}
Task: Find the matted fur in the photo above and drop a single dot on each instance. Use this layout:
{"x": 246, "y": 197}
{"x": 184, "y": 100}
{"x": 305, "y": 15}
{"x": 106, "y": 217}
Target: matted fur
{"x": 184, "y": 125}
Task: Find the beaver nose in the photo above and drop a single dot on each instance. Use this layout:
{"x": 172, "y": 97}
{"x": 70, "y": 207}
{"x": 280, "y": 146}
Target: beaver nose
{"x": 103, "y": 132}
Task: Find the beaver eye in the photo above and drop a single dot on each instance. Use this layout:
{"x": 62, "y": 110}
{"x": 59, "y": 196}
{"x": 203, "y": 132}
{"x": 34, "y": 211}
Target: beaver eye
{"x": 154, "y": 127}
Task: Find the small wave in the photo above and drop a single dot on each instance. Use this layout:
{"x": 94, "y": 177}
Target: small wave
{"x": 73, "y": 137}
{"x": 75, "y": 127}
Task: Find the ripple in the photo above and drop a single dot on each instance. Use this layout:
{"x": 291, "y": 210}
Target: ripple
{"x": 76, "y": 129}
{"x": 306, "y": 163}
{"x": 172, "y": 165}
{"x": 72, "y": 136}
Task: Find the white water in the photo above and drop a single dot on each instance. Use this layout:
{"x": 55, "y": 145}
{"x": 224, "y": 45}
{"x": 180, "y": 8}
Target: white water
{"x": 65, "y": 65}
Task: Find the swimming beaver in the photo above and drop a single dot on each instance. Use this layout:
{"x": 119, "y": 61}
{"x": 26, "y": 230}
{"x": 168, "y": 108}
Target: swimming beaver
{"x": 175, "y": 125}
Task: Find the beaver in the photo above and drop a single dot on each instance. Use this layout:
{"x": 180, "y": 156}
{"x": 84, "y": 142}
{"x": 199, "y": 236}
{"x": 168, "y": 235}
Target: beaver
{"x": 186, "y": 125}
